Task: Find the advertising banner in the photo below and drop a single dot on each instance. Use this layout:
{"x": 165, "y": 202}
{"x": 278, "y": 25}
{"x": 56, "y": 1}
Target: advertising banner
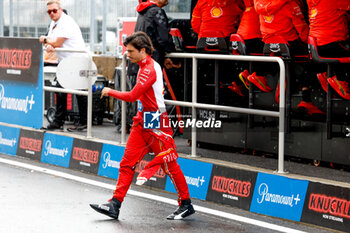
{"x": 197, "y": 176}
{"x": 30, "y": 144}
{"x": 85, "y": 155}
{"x": 57, "y": 149}
{"x": 327, "y": 206}
{"x": 158, "y": 180}
{"x": 231, "y": 186}
{"x": 279, "y": 196}
{"x": 110, "y": 161}
{"x": 21, "y": 82}
{"x": 8, "y": 140}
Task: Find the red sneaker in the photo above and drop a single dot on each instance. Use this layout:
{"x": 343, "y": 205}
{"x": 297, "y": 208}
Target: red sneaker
{"x": 277, "y": 93}
{"x": 259, "y": 81}
{"x": 236, "y": 89}
{"x": 243, "y": 76}
{"x": 322, "y": 78}
{"x": 310, "y": 108}
{"x": 341, "y": 87}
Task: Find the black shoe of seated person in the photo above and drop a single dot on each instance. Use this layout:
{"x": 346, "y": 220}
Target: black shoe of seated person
{"x": 54, "y": 125}
{"x": 110, "y": 209}
{"x": 79, "y": 127}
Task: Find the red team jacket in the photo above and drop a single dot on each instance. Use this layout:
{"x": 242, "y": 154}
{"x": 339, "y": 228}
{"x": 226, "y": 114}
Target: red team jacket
{"x": 328, "y": 20}
{"x": 281, "y": 18}
{"x": 249, "y": 27}
{"x": 149, "y": 90}
{"x": 216, "y": 15}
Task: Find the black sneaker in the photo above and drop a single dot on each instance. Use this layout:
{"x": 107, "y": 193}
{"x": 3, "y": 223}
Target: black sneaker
{"x": 110, "y": 209}
{"x": 183, "y": 211}
{"x": 77, "y": 128}
{"x": 54, "y": 125}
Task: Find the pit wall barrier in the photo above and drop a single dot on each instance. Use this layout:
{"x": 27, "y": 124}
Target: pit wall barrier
{"x": 269, "y": 194}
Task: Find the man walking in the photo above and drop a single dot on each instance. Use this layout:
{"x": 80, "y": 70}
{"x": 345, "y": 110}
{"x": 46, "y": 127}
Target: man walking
{"x": 149, "y": 93}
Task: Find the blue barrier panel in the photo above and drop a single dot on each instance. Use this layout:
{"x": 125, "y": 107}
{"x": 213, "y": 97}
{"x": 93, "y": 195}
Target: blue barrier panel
{"x": 110, "y": 161}
{"x": 56, "y": 149}
{"x": 279, "y": 196}
{"x": 197, "y": 176}
{"x": 9, "y": 140}
{"x": 21, "y": 82}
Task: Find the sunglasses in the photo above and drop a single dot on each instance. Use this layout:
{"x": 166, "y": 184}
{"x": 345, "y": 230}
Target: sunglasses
{"x": 52, "y": 11}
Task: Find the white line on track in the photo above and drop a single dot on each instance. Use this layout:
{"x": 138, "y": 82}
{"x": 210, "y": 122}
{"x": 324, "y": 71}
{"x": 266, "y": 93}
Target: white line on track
{"x": 153, "y": 197}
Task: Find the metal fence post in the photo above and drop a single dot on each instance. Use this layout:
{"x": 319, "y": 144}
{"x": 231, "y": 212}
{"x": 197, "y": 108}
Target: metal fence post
{"x": 92, "y": 26}
{"x": 1, "y": 17}
{"x": 89, "y": 109}
{"x": 123, "y": 88}
{"x": 194, "y": 112}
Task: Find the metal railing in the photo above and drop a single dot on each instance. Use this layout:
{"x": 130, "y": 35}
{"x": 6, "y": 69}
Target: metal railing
{"x": 87, "y": 93}
{"x": 194, "y": 105}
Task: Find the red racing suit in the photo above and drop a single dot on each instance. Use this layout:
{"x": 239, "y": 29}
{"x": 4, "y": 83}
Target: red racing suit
{"x": 281, "y": 18}
{"x": 149, "y": 93}
{"x": 249, "y": 27}
{"x": 217, "y": 16}
{"x": 328, "y": 20}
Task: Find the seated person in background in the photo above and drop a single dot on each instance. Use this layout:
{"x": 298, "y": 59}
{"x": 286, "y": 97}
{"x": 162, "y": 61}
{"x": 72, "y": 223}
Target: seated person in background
{"x": 328, "y": 24}
{"x": 283, "y": 20}
{"x": 249, "y": 30}
{"x": 216, "y": 15}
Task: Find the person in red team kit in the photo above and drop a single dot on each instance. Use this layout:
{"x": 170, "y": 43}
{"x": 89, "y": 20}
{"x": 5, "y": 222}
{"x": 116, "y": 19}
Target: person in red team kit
{"x": 143, "y": 139}
{"x": 249, "y": 30}
{"x": 282, "y": 21}
{"x": 329, "y": 26}
{"x": 216, "y": 16}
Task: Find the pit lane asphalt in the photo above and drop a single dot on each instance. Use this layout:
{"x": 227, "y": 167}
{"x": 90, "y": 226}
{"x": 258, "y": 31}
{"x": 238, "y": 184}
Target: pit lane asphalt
{"x": 33, "y": 201}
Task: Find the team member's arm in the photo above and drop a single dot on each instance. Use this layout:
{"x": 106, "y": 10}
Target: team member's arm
{"x": 197, "y": 17}
{"x": 299, "y": 21}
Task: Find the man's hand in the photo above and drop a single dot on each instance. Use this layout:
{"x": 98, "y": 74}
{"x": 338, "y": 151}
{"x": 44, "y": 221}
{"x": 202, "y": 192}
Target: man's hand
{"x": 49, "y": 48}
{"x": 42, "y": 39}
{"x": 105, "y": 91}
{"x": 168, "y": 63}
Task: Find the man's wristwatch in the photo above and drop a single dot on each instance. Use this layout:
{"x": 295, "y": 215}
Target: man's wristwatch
{"x": 45, "y": 40}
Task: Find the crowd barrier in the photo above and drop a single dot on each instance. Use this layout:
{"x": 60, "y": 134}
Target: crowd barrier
{"x": 259, "y": 192}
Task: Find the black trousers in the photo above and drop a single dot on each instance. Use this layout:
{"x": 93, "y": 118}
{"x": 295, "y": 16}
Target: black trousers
{"x": 61, "y": 107}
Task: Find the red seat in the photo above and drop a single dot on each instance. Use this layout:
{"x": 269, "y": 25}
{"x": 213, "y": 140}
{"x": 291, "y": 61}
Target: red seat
{"x": 276, "y": 46}
{"x": 317, "y": 58}
{"x": 237, "y": 45}
{"x": 179, "y": 41}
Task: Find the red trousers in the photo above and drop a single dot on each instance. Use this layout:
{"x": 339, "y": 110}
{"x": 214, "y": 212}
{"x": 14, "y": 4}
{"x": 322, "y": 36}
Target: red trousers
{"x": 141, "y": 142}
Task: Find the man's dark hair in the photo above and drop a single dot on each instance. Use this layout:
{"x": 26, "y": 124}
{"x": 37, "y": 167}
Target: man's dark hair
{"x": 140, "y": 40}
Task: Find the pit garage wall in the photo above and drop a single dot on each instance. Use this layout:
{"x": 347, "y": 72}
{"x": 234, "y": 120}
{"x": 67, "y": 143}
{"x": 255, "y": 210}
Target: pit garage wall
{"x": 268, "y": 194}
